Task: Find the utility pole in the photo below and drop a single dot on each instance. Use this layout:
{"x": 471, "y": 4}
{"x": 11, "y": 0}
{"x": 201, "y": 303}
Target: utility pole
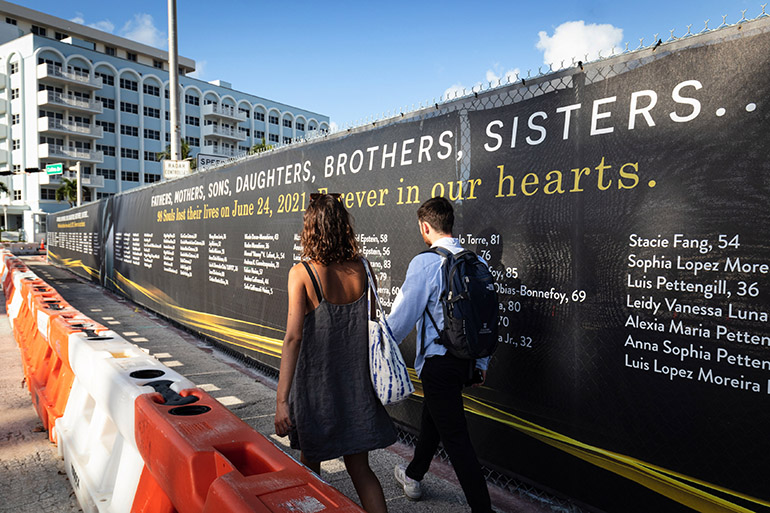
{"x": 77, "y": 181}
{"x": 173, "y": 83}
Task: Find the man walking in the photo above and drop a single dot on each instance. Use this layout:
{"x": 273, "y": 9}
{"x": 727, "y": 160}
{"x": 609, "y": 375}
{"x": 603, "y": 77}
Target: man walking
{"x": 443, "y": 375}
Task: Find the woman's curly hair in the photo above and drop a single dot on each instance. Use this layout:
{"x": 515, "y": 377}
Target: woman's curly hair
{"x": 327, "y": 233}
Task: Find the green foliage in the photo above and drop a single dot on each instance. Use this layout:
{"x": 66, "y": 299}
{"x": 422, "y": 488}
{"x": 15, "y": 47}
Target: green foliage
{"x": 258, "y": 148}
{"x": 67, "y": 191}
{"x": 186, "y": 153}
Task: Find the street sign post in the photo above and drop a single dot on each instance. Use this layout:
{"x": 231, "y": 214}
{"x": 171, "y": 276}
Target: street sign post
{"x": 54, "y": 169}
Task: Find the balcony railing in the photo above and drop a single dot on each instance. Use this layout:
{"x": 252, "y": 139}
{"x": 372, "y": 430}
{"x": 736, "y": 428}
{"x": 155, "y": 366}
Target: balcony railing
{"x": 47, "y": 151}
{"x": 86, "y": 180}
{"x": 68, "y": 101}
{"x": 49, "y": 71}
{"x": 47, "y": 124}
{"x": 224, "y": 152}
{"x": 223, "y": 111}
{"x": 220, "y": 131}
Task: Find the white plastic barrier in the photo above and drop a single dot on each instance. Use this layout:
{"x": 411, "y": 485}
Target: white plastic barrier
{"x": 17, "y": 300}
{"x": 96, "y": 432}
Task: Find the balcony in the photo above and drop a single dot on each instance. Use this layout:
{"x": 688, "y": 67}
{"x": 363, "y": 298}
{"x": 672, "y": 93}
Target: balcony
{"x": 53, "y": 99}
{"x": 59, "y": 126}
{"x": 226, "y": 133}
{"x": 86, "y": 180}
{"x": 224, "y": 152}
{"x": 223, "y": 111}
{"x": 57, "y": 74}
{"x": 55, "y": 151}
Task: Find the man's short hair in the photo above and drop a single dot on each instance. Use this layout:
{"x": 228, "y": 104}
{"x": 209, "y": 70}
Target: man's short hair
{"x": 438, "y": 213}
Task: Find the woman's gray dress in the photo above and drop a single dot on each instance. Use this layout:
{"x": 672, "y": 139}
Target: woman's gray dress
{"x": 333, "y": 407}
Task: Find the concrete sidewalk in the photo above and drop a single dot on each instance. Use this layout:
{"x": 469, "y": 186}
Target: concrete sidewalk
{"x": 31, "y": 474}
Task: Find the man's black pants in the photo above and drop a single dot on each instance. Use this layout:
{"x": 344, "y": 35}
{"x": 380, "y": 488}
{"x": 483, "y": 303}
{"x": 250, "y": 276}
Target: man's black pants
{"x": 443, "y": 418}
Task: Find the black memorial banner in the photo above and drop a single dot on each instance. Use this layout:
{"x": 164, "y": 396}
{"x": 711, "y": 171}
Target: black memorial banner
{"x": 623, "y": 210}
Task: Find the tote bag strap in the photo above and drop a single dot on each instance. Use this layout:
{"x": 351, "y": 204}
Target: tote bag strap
{"x": 373, "y": 293}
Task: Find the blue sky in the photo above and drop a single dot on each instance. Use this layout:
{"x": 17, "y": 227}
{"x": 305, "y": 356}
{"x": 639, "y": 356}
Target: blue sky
{"x": 354, "y": 59}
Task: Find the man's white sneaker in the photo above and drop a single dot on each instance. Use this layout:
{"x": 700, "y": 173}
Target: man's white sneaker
{"x": 412, "y": 488}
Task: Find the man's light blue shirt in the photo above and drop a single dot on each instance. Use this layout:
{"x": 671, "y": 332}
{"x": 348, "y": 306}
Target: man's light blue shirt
{"x": 423, "y": 286}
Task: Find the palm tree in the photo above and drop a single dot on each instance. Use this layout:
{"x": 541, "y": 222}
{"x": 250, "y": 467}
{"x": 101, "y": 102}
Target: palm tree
{"x": 67, "y": 191}
{"x": 257, "y": 148}
{"x": 186, "y": 153}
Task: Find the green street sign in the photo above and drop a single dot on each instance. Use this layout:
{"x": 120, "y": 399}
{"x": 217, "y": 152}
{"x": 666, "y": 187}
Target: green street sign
{"x": 54, "y": 169}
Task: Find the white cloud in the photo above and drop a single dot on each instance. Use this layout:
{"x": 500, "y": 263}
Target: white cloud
{"x": 104, "y": 25}
{"x": 142, "y": 29}
{"x": 493, "y": 75}
{"x": 200, "y": 70}
{"x": 575, "y": 39}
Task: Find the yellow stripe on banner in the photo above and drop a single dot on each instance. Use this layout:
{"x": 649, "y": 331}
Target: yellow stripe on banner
{"x": 69, "y": 262}
{"x": 218, "y": 327}
{"x": 666, "y": 482}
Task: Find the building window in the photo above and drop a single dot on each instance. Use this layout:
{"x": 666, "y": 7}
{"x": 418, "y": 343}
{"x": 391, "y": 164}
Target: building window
{"x": 107, "y": 79}
{"x": 273, "y": 138}
{"x": 193, "y": 141}
{"x": 168, "y": 137}
{"x": 14, "y": 93}
{"x": 131, "y": 56}
{"x": 274, "y": 120}
{"x": 104, "y": 195}
{"x": 107, "y": 103}
{"x": 151, "y": 89}
{"x": 46, "y": 193}
{"x": 133, "y": 131}
{"x": 16, "y": 195}
{"x": 192, "y": 120}
{"x": 126, "y": 83}
{"x": 129, "y": 107}
{"x": 51, "y": 140}
{"x": 192, "y": 99}
{"x": 259, "y": 134}
{"x": 301, "y": 126}
{"x": 287, "y": 140}
{"x": 108, "y": 174}
{"x": 152, "y": 134}
{"x": 157, "y": 64}
{"x": 129, "y": 153}
{"x": 151, "y": 178}
{"x": 167, "y": 116}
{"x": 15, "y": 119}
{"x": 109, "y": 151}
{"x": 287, "y": 123}
{"x": 259, "y": 116}
{"x": 244, "y": 111}
{"x": 151, "y": 155}
{"x": 11, "y": 21}
{"x": 16, "y": 144}
{"x": 244, "y": 148}
{"x": 16, "y": 168}
{"x": 14, "y": 67}
{"x": 152, "y": 112}
{"x": 60, "y": 35}
{"x": 39, "y": 31}
{"x": 106, "y": 126}
{"x": 245, "y": 131}
{"x": 129, "y": 176}
{"x": 109, "y": 50}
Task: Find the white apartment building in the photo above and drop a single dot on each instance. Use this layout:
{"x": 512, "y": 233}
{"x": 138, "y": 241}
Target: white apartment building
{"x": 70, "y": 93}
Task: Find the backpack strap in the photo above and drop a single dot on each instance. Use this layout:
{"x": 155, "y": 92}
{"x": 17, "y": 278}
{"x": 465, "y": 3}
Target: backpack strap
{"x": 442, "y": 252}
{"x": 316, "y": 283}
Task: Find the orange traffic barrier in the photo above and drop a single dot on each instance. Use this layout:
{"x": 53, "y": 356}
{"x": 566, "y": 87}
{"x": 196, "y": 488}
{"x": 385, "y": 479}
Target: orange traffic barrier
{"x": 204, "y": 459}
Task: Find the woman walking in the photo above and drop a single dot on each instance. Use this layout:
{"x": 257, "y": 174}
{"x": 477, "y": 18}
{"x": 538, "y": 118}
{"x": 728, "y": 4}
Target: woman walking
{"x": 325, "y": 400}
